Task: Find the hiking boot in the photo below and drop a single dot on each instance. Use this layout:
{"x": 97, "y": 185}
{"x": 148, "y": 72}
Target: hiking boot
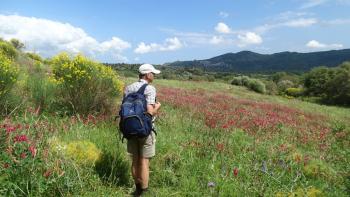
{"x": 139, "y": 192}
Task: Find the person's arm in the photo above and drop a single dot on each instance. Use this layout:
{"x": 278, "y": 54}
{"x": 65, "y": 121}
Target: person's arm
{"x": 153, "y": 109}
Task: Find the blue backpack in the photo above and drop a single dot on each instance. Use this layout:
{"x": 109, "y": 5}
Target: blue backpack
{"x": 134, "y": 119}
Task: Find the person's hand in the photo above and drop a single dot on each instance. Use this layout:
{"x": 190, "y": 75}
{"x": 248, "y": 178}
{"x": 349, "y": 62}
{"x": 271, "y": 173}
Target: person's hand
{"x": 157, "y": 105}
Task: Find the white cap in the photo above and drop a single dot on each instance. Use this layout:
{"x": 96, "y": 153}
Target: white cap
{"x": 148, "y": 68}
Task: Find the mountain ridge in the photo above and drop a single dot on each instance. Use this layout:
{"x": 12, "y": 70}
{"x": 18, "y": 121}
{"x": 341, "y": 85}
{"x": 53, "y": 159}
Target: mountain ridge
{"x": 248, "y": 61}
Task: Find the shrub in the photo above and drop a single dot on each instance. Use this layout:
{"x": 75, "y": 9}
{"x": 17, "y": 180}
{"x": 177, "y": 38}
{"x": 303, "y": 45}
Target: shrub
{"x": 85, "y": 86}
{"x": 271, "y": 87}
{"x": 315, "y": 81}
{"x": 211, "y": 78}
{"x": 257, "y": 86}
{"x": 317, "y": 168}
{"x": 338, "y": 87}
{"x": 167, "y": 75}
{"x": 196, "y": 78}
{"x": 331, "y": 85}
{"x": 241, "y": 81}
{"x": 8, "y": 50}
{"x": 34, "y": 56}
{"x": 83, "y": 152}
{"x": 245, "y": 80}
{"x": 278, "y": 76}
{"x": 295, "y": 92}
{"x": 17, "y": 44}
{"x": 283, "y": 85}
{"x": 237, "y": 81}
{"x": 40, "y": 90}
{"x": 253, "y": 84}
{"x": 8, "y": 77}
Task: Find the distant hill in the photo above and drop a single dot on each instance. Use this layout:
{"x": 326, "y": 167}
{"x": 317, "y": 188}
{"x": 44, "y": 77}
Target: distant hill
{"x": 247, "y": 61}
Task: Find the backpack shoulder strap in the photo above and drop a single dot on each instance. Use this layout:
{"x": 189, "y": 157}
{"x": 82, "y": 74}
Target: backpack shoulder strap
{"x": 142, "y": 89}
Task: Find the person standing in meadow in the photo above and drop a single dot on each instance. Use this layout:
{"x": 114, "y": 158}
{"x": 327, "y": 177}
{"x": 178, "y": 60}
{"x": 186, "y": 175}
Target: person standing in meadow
{"x": 143, "y": 149}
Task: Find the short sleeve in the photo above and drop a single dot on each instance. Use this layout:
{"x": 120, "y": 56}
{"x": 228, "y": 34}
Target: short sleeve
{"x": 150, "y": 93}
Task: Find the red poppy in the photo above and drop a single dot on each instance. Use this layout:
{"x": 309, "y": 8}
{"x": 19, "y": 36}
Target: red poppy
{"x": 10, "y": 129}
{"x": 33, "y": 150}
{"x": 23, "y": 155}
{"x": 235, "y": 171}
{"x": 21, "y": 138}
{"x": 220, "y": 147}
{"x": 47, "y": 173}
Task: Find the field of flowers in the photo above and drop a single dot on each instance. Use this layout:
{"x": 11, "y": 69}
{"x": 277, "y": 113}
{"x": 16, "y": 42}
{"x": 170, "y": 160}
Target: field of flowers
{"x": 294, "y": 151}
{"x": 211, "y": 142}
{"x": 261, "y": 119}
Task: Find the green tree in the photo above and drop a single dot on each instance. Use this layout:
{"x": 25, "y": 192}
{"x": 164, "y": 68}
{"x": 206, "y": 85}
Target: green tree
{"x": 315, "y": 81}
{"x": 17, "y": 44}
{"x": 278, "y": 76}
{"x": 338, "y": 87}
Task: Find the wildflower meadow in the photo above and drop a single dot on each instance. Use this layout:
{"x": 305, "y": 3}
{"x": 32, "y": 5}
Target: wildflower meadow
{"x": 59, "y": 136}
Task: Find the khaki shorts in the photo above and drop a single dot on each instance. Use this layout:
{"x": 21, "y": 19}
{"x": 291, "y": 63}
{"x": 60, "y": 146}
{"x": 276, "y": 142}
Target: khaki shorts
{"x": 144, "y": 147}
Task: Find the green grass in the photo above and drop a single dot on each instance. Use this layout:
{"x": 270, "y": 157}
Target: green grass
{"x": 189, "y": 155}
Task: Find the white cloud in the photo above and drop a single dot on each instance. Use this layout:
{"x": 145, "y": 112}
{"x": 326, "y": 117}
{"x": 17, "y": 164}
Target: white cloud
{"x": 339, "y": 21}
{"x": 301, "y": 22}
{"x": 295, "y": 23}
{"x": 317, "y": 45}
{"x": 170, "y": 44}
{"x": 223, "y": 14}
{"x": 216, "y": 40}
{"x": 312, "y": 3}
{"x": 249, "y": 38}
{"x": 222, "y": 28}
{"x": 114, "y": 44}
{"x": 288, "y": 15}
{"x": 48, "y": 37}
{"x": 192, "y": 38}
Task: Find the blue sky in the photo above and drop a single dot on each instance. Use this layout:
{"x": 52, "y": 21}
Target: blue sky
{"x": 160, "y": 31}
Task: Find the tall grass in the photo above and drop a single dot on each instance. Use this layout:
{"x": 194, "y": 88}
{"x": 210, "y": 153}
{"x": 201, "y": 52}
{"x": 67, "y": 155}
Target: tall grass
{"x": 84, "y": 156}
{"x": 194, "y": 160}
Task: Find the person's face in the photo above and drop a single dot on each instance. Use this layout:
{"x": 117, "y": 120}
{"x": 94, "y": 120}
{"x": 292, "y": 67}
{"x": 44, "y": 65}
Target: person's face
{"x": 150, "y": 77}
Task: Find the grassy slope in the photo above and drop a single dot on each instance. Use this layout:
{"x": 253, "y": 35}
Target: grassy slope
{"x": 242, "y": 92}
{"x": 187, "y": 156}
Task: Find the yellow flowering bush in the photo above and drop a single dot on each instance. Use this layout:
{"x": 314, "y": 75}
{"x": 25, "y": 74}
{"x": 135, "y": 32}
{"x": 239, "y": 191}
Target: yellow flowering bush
{"x": 302, "y": 192}
{"x": 8, "y": 75}
{"x": 35, "y": 57}
{"x": 8, "y": 50}
{"x": 295, "y": 92}
{"x": 81, "y": 151}
{"x": 86, "y": 86}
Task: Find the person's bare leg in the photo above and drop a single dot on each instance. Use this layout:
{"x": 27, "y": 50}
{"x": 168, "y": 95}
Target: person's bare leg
{"x": 135, "y": 170}
{"x": 144, "y": 172}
